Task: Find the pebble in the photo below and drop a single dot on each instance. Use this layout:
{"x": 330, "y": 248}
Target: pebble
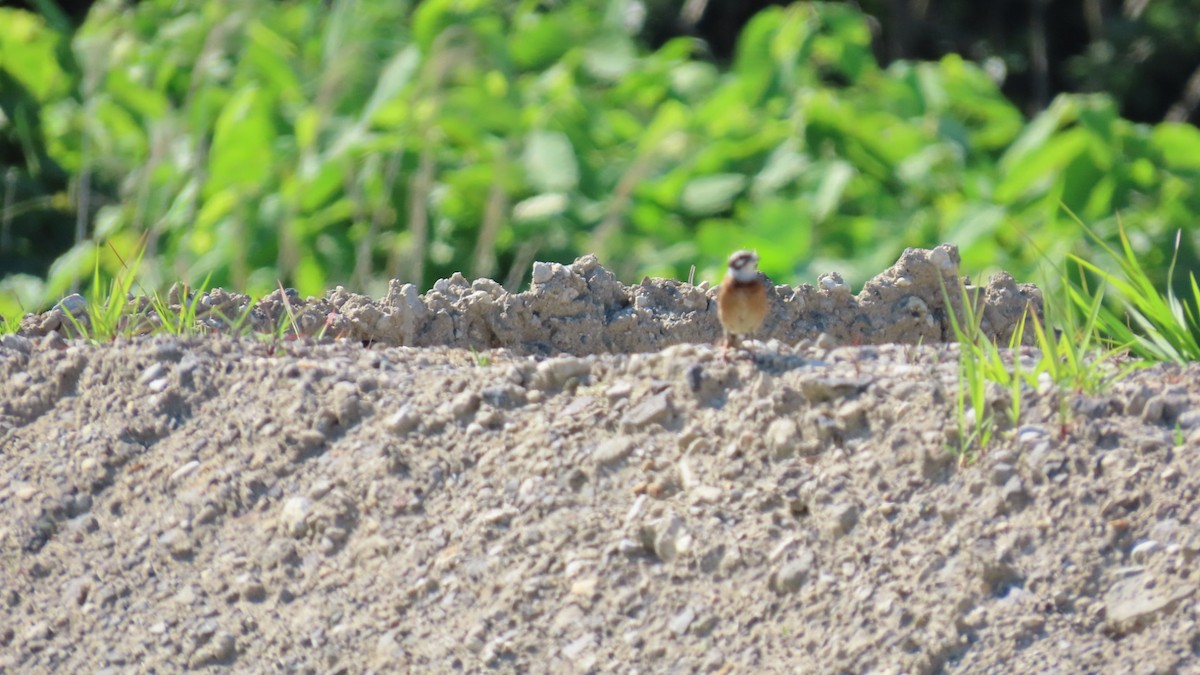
{"x": 629, "y": 547}
{"x": 250, "y": 588}
{"x": 402, "y": 421}
{"x": 844, "y": 517}
{"x": 1189, "y": 419}
{"x": 154, "y": 372}
{"x": 671, "y": 538}
{"x": 612, "y": 451}
{"x": 783, "y": 437}
{"x": 1141, "y": 553}
{"x": 542, "y": 272}
{"x": 1014, "y": 492}
{"x": 554, "y": 373}
{"x": 220, "y": 649}
{"x": 790, "y": 577}
{"x": 1001, "y": 473}
{"x": 73, "y": 304}
{"x": 578, "y": 646}
{"x": 619, "y": 390}
{"x": 177, "y": 542}
{"x": 834, "y": 283}
{"x": 500, "y": 516}
{"x": 463, "y": 405}
{"x": 681, "y": 621}
{"x": 585, "y": 587}
{"x": 1138, "y": 599}
{"x": 653, "y": 409}
{"x": 38, "y": 631}
{"x": 183, "y": 471}
{"x": 293, "y": 517}
{"x": 76, "y": 591}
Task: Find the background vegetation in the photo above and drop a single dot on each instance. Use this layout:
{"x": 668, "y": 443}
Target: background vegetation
{"x": 353, "y": 141}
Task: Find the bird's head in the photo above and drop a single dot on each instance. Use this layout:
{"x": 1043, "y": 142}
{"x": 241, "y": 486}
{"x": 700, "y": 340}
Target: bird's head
{"x": 743, "y": 265}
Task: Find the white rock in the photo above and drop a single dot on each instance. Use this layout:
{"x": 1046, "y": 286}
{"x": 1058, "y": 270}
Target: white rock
{"x": 293, "y": 517}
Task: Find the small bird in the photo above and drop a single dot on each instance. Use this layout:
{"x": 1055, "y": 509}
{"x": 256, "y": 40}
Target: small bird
{"x": 741, "y": 298}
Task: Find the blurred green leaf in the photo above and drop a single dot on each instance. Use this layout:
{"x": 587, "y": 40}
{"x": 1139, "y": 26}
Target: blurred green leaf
{"x": 833, "y": 184}
{"x": 1178, "y": 143}
{"x": 709, "y": 195}
{"x": 28, "y": 52}
{"x": 550, "y": 162}
{"x": 241, "y": 156}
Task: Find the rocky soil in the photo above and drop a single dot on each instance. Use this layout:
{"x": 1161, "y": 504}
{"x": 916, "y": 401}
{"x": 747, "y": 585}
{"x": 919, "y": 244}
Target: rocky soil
{"x": 572, "y": 479}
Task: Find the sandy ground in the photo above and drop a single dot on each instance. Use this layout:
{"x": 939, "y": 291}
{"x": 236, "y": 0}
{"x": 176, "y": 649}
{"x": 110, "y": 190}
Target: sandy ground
{"x": 572, "y": 479}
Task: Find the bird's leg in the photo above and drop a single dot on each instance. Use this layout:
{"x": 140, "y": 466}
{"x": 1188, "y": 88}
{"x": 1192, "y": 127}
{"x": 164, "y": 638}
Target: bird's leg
{"x": 730, "y": 341}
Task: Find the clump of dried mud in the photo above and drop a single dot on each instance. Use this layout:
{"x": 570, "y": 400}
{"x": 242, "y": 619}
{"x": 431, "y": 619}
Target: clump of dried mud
{"x": 583, "y": 309}
{"x": 225, "y": 503}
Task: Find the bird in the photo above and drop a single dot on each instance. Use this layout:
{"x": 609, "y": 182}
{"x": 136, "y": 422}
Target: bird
{"x": 741, "y": 298}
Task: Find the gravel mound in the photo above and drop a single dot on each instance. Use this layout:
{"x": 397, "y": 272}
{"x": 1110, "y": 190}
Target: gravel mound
{"x": 323, "y": 506}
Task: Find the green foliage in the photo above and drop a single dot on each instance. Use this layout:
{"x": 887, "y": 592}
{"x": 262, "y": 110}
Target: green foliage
{"x": 315, "y": 143}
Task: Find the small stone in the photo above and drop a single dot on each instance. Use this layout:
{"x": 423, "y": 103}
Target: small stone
{"x": 619, "y": 390}
{"x": 177, "y": 542}
{"x": 152, "y": 373}
{"x": 687, "y": 475}
{"x": 1189, "y": 419}
{"x": 1137, "y": 600}
{"x": 220, "y": 649}
{"x": 293, "y": 517}
{"x": 1141, "y": 553}
{"x": 506, "y": 395}
{"x": 500, "y": 516}
{"x": 681, "y": 621}
{"x": 92, "y": 468}
{"x": 402, "y": 421}
{"x": 1001, "y": 473}
{"x": 706, "y": 494}
{"x": 1014, "y": 492}
{"x": 650, "y": 410}
{"x": 38, "y": 631}
{"x": 251, "y": 588}
{"x": 542, "y": 272}
{"x": 783, "y": 437}
{"x": 183, "y": 471}
{"x": 612, "y": 451}
{"x": 833, "y": 283}
{"x": 844, "y": 517}
{"x": 629, "y": 547}
{"x": 73, "y": 304}
{"x": 555, "y": 373}
{"x": 585, "y": 587}
{"x": 791, "y": 576}
{"x": 76, "y": 591}
{"x": 463, "y": 405}
{"x": 577, "y": 647}
{"x": 671, "y": 539}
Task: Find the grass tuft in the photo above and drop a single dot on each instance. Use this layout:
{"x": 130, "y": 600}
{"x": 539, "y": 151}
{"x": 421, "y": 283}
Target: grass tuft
{"x": 1152, "y": 325}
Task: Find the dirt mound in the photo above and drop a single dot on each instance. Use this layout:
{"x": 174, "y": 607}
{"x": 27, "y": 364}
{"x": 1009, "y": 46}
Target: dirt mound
{"x": 217, "y": 503}
{"x": 583, "y": 309}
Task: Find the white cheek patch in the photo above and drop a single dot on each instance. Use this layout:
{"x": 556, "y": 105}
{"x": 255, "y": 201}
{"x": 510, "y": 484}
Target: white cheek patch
{"x": 747, "y": 272}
